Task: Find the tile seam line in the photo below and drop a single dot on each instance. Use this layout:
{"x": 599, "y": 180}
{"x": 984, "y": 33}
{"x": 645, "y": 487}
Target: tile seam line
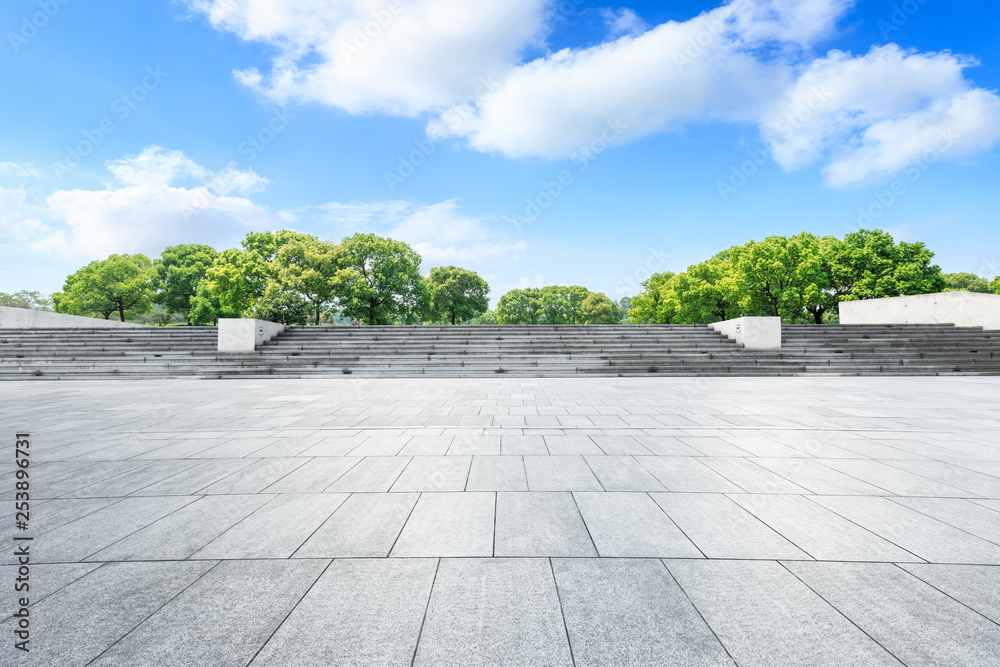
{"x": 708, "y": 625}
{"x": 845, "y": 616}
{"x": 290, "y": 611}
{"x": 945, "y": 593}
{"x": 864, "y": 528}
{"x": 154, "y": 612}
{"x": 933, "y": 518}
{"x": 427, "y": 607}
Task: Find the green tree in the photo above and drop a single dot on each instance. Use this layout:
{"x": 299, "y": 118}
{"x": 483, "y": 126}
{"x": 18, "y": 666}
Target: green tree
{"x": 870, "y": 265}
{"x": 774, "y": 276}
{"x": 122, "y": 283}
{"x": 703, "y": 294}
{"x": 26, "y": 299}
{"x": 379, "y": 280}
{"x": 456, "y": 294}
{"x": 995, "y": 285}
{"x": 966, "y": 282}
{"x": 303, "y": 273}
{"x": 599, "y": 309}
{"x": 181, "y": 268}
{"x": 647, "y": 306}
{"x": 625, "y": 303}
{"x": 520, "y": 306}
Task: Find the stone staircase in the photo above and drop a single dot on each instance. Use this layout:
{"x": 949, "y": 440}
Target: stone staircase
{"x": 497, "y": 351}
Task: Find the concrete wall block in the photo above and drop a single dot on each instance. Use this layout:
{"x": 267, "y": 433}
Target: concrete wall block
{"x": 964, "y": 309}
{"x": 754, "y": 333}
{"x": 245, "y": 335}
{"x": 23, "y": 318}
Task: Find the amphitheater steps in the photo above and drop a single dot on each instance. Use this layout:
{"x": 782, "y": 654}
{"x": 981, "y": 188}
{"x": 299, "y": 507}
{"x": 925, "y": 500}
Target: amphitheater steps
{"x": 492, "y": 351}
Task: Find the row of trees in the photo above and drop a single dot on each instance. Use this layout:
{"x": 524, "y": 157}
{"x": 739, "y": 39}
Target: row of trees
{"x": 800, "y": 279}
{"x": 282, "y": 276}
{"x": 557, "y": 305}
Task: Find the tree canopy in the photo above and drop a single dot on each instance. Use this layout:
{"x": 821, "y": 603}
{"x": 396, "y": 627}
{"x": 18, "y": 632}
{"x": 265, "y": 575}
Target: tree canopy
{"x": 456, "y": 294}
{"x": 379, "y": 280}
{"x": 120, "y": 283}
{"x": 180, "y": 269}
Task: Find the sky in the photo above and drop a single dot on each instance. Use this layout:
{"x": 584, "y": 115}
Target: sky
{"x": 535, "y": 142}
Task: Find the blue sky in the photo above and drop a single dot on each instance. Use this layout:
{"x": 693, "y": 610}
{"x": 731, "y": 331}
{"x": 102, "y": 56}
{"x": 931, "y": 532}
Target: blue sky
{"x": 707, "y": 125}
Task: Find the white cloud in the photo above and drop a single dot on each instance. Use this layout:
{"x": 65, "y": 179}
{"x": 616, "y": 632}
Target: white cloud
{"x": 747, "y": 61}
{"x": 17, "y": 170}
{"x": 875, "y": 114}
{"x": 400, "y": 57}
{"x": 15, "y": 225}
{"x": 623, "y": 21}
{"x": 148, "y": 212}
{"x": 441, "y": 233}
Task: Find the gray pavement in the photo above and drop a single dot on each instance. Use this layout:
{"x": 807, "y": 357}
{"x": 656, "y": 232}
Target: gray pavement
{"x": 588, "y": 522}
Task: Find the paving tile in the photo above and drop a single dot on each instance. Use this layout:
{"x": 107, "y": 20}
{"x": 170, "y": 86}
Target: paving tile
{"x": 365, "y": 526}
{"x": 540, "y": 524}
{"x": 256, "y": 477}
{"x": 821, "y": 533}
{"x": 568, "y": 445}
{"x": 893, "y": 479}
{"x": 631, "y": 612}
{"x": 133, "y": 480}
{"x": 380, "y": 446}
{"x": 313, "y": 476}
{"x": 195, "y": 479}
{"x": 722, "y": 529}
{"x": 817, "y": 478}
{"x": 765, "y": 616}
{"x": 976, "y": 483}
{"x": 43, "y": 580}
{"x": 976, "y": 586}
{"x": 622, "y": 473}
{"x": 434, "y": 473}
{"x": 631, "y": 525}
{"x": 366, "y": 612}
{"x": 276, "y": 529}
{"x": 928, "y": 538}
{"x": 620, "y": 445}
{"x": 433, "y": 445}
{"x": 559, "y": 473}
{"x": 464, "y": 445}
{"x": 222, "y": 619}
{"x": 180, "y": 534}
{"x": 87, "y": 535}
{"x": 749, "y": 476}
{"x": 962, "y": 514}
{"x": 494, "y": 611}
{"x": 523, "y": 445}
{"x": 372, "y": 474}
{"x": 684, "y": 474}
{"x": 448, "y": 525}
{"x": 74, "y": 625}
{"x": 917, "y": 623}
{"x": 497, "y": 473}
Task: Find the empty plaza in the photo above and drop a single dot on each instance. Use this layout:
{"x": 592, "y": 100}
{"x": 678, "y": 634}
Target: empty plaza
{"x": 588, "y": 522}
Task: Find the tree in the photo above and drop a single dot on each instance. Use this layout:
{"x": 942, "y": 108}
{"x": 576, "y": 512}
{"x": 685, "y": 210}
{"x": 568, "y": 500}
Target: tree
{"x": 236, "y": 285}
{"x": 181, "y": 268}
{"x": 599, "y": 309}
{"x": 555, "y": 305}
{"x": 520, "y": 306}
{"x": 647, "y": 306}
{"x": 119, "y": 283}
{"x": 26, "y": 299}
{"x": 456, "y": 294}
{"x": 703, "y": 294}
{"x": 379, "y": 279}
{"x": 995, "y": 285}
{"x": 966, "y": 282}
{"x": 304, "y": 269}
{"x": 773, "y": 276}
{"x": 625, "y": 303}
{"x": 870, "y": 265}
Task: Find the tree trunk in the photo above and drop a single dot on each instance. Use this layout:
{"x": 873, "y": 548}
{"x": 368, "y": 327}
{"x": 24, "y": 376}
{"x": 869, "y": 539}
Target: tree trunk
{"x": 453, "y": 319}
{"x": 818, "y": 316}
{"x": 317, "y": 317}
{"x": 121, "y": 313}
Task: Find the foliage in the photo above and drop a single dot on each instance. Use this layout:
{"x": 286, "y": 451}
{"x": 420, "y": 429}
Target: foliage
{"x": 379, "y": 280}
{"x": 120, "y": 283}
{"x": 26, "y": 299}
{"x": 600, "y": 309}
{"x": 647, "y": 306}
{"x": 455, "y": 294}
{"x": 555, "y": 304}
{"x": 303, "y": 273}
{"x": 180, "y": 269}
{"x": 520, "y": 306}
{"x": 966, "y": 282}
{"x": 489, "y": 317}
{"x": 995, "y": 285}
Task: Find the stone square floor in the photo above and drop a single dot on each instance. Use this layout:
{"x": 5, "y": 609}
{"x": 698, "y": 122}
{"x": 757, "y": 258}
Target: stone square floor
{"x": 589, "y": 522}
